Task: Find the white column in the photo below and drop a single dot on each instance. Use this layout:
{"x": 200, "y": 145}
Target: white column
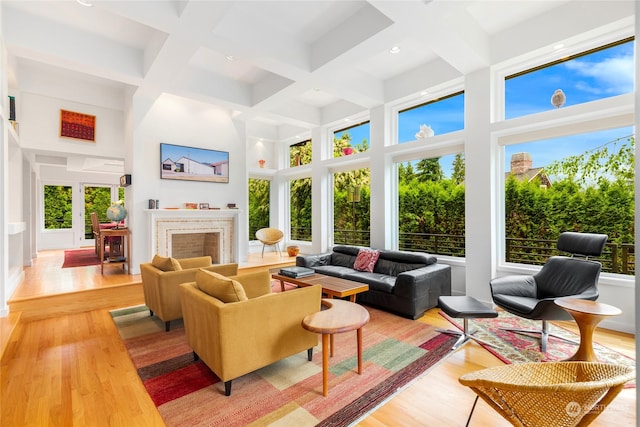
{"x": 480, "y": 194}
{"x": 382, "y": 215}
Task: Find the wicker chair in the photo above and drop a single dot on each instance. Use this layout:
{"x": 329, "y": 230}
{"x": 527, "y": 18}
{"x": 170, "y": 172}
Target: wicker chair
{"x": 270, "y": 237}
{"x": 549, "y": 394}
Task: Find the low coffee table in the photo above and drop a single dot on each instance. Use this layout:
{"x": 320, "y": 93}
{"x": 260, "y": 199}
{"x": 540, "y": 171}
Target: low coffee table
{"x": 339, "y": 316}
{"x": 333, "y": 287}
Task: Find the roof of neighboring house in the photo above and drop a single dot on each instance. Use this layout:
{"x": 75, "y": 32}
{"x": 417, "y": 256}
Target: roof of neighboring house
{"x": 530, "y": 174}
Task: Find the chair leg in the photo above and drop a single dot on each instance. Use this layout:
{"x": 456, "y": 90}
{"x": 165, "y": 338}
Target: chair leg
{"x": 227, "y": 388}
{"x": 465, "y": 335}
{"x": 167, "y": 326}
{"x": 472, "y": 409}
{"x": 310, "y": 354}
{"x": 543, "y": 332}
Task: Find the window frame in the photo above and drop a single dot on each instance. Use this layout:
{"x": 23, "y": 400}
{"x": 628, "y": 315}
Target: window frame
{"x": 426, "y": 96}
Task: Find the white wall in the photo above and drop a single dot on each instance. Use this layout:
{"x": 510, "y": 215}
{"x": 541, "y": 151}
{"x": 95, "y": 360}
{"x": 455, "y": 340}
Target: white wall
{"x": 40, "y": 127}
{"x": 179, "y": 121}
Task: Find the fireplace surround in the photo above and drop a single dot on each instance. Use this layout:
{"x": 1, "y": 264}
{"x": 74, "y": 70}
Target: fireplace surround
{"x": 215, "y": 231}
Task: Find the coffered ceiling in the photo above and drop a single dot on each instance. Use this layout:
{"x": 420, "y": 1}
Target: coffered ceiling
{"x": 297, "y": 64}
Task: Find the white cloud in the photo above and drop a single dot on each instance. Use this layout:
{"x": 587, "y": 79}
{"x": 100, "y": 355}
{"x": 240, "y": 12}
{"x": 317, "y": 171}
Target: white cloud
{"x": 613, "y": 75}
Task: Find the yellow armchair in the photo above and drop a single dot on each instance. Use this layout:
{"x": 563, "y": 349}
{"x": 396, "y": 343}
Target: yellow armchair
{"x": 236, "y": 338}
{"x": 161, "y": 277}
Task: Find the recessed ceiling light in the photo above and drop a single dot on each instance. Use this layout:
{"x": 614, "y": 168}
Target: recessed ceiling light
{"x": 558, "y": 46}
{"x": 84, "y": 3}
{"x": 229, "y": 57}
{"x": 424, "y": 93}
{"x": 394, "y": 49}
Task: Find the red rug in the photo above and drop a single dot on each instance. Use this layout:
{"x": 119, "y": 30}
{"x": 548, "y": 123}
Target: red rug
{"x": 289, "y": 392}
{"x": 80, "y": 258}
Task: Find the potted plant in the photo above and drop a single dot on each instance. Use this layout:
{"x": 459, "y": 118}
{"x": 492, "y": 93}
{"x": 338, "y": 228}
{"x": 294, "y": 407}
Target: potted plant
{"x": 346, "y": 150}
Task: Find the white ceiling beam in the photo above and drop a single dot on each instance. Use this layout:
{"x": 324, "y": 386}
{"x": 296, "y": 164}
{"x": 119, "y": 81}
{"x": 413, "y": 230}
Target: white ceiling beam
{"x": 63, "y": 46}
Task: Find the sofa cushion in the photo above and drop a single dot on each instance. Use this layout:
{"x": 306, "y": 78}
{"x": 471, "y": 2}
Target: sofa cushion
{"x": 220, "y": 287}
{"x": 366, "y": 260}
{"x": 333, "y": 270}
{"x": 165, "y": 263}
{"x": 376, "y": 281}
{"x": 343, "y": 260}
{"x": 396, "y": 262}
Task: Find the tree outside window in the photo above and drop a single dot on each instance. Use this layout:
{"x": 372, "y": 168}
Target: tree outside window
{"x": 300, "y": 153}
{"x": 259, "y": 201}
{"x": 582, "y": 183}
{"x": 58, "y": 207}
{"x": 351, "y": 208}
{"x": 352, "y": 139}
{"x": 431, "y": 205}
{"x": 300, "y": 209}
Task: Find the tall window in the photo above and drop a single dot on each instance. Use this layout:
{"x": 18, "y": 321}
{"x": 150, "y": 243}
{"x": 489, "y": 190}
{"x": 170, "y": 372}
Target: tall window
{"x": 351, "y": 208}
{"x": 353, "y": 139}
{"x": 57, "y": 207}
{"x": 441, "y": 115}
{"x": 595, "y": 74}
{"x": 431, "y": 205}
{"x": 300, "y": 153}
{"x": 259, "y": 191}
{"x": 582, "y": 183}
{"x": 300, "y": 208}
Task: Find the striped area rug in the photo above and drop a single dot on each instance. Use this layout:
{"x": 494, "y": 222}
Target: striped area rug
{"x": 289, "y": 392}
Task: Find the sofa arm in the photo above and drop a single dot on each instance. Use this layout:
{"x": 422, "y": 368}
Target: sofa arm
{"x": 311, "y": 261}
{"x": 413, "y": 283}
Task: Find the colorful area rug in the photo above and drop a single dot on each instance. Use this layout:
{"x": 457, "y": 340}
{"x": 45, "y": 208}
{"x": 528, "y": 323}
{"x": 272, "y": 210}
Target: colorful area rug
{"x": 80, "y": 258}
{"x": 511, "y": 347}
{"x": 289, "y": 392}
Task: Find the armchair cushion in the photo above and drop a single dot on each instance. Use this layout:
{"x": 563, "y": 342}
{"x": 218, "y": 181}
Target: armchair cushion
{"x": 166, "y": 263}
{"x": 254, "y": 284}
{"x": 220, "y": 287}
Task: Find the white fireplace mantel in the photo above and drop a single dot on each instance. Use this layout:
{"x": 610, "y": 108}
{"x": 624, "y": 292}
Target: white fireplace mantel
{"x": 164, "y": 223}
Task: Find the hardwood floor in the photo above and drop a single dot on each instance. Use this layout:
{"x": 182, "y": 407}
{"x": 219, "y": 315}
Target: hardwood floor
{"x": 73, "y": 370}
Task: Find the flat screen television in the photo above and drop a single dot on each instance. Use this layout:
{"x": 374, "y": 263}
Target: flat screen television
{"x": 193, "y": 164}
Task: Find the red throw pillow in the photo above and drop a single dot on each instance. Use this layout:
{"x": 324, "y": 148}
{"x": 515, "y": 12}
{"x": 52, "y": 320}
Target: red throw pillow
{"x": 366, "y": 260}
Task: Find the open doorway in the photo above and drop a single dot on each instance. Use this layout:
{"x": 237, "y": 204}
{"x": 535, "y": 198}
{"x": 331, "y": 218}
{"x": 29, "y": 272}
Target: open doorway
{"x": 97, "y": 198}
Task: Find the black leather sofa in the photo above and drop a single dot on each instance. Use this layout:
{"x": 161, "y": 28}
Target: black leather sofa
{"x": 405, "y": 283}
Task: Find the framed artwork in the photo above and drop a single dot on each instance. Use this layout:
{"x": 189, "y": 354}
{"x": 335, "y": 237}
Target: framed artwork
{"x": 204, "y": 205}
{"x": 193, "y": 164}
{"x": 77, "y": 126}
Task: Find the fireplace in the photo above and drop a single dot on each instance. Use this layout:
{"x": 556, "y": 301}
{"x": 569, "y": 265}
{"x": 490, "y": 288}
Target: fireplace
{"x": 185, "y": 233}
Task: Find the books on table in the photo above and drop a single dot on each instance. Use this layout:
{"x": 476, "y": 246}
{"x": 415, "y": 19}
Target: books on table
{"x": 296, "y": 271}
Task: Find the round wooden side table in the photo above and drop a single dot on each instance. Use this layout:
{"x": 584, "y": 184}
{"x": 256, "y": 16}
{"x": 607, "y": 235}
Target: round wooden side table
{"x": 339, "y": 316}
{"x": 587, "y": 315}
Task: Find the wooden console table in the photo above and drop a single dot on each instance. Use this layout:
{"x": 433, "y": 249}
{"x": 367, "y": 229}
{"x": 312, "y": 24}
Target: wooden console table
{"x": 123, "y": 233}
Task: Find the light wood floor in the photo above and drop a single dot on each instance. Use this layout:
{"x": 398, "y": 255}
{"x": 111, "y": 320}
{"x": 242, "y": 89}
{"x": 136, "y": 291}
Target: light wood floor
{"x": 73, "y": 369}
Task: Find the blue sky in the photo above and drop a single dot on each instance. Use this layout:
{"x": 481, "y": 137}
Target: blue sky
{"x": 174, "y": 152}
{"x": 599, "y": 75}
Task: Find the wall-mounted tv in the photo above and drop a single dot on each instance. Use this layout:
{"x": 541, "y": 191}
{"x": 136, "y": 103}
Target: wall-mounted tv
{"x": 193, "y": 164}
